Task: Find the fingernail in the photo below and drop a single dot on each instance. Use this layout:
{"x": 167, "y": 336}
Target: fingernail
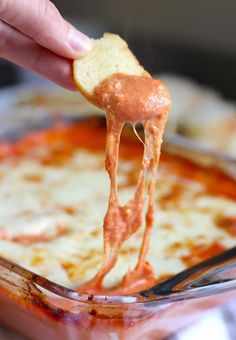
{"x": 79, "y": 42}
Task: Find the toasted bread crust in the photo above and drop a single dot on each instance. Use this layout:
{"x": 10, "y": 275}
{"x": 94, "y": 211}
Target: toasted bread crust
{"x": 109, "y": 55}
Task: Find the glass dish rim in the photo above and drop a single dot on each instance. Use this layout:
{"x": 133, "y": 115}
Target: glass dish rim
{"x": 134, "y": 299}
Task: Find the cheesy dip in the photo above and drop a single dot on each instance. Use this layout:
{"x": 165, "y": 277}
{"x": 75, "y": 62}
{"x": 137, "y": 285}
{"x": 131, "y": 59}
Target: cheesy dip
{"x": 53, "y": 197}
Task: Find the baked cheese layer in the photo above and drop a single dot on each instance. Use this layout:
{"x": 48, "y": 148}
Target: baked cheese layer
{"x": 53, "y": 200}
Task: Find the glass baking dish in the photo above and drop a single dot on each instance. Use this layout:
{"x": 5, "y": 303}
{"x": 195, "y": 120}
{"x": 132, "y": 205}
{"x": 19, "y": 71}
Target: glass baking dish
{"x": 41, "y": 309}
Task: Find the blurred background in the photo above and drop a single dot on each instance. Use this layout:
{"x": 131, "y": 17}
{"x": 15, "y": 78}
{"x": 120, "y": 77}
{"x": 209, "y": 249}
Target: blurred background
{"x": 195, "y": 38}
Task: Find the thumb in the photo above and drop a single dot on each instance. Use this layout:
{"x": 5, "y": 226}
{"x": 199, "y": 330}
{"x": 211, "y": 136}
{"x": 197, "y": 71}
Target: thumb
{"x": 41, "y": 21}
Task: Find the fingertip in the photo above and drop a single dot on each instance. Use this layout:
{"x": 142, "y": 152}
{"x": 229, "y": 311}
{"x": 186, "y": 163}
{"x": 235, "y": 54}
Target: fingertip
{"x": 80, "y": 43}
{"x": 69, "y": 85}
{"x": 62, "y": 74}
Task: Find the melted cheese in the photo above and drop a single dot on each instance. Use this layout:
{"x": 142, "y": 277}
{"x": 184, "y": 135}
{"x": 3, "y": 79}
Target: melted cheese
{"x": 51, "y": 217}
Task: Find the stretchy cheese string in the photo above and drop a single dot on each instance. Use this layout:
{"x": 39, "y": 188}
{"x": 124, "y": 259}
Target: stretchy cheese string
{"x": 121, "y": 222}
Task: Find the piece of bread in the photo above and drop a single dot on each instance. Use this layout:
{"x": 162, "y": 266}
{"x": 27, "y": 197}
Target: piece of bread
{"x": 109, "y": 55}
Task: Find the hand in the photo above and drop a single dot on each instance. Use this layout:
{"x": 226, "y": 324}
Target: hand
{"x": 35, "y": 36}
